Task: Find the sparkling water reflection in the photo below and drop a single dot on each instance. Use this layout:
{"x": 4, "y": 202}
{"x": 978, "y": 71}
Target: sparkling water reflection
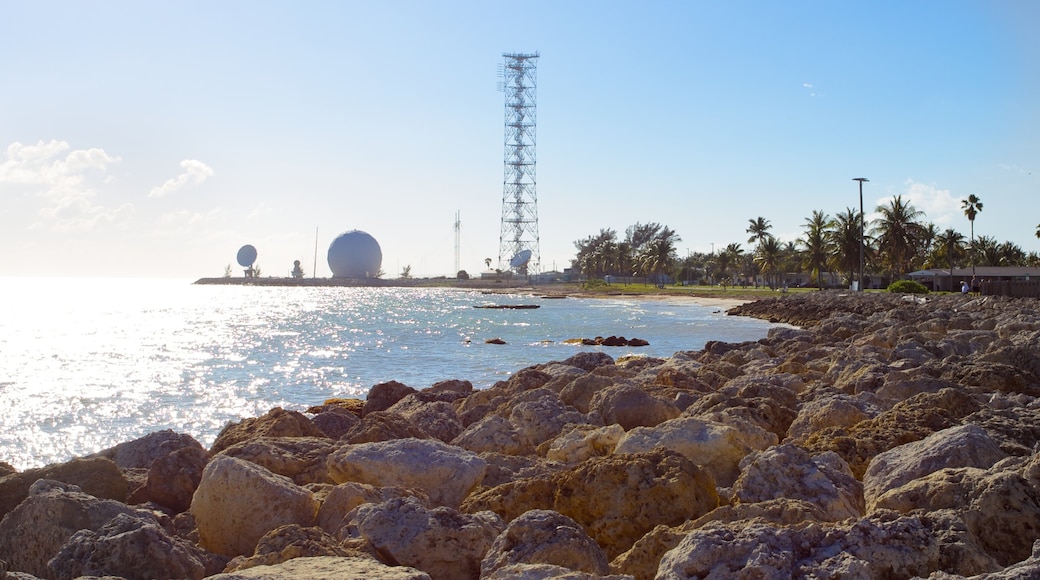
{"x": 85, "y": 364}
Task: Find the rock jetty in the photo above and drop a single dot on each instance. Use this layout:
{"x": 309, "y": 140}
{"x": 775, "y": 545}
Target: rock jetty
{"x": 884, "y": 437}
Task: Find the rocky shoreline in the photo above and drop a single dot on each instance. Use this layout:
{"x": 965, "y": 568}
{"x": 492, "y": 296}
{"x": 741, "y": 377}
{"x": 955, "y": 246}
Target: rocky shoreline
{"x": 885, "y": 437}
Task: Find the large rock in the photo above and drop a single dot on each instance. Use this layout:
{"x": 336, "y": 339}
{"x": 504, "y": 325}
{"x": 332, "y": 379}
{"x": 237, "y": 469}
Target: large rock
{"x": 582, "y": 442}
{"x": 301, "y": 459}
{"x": 237, "y": 502}
{"x": 131, "y": 547}
{"x": 716, "y": 447}
{"x": 445, "y": 472}
{"x": 35, "y": 531}
{"x": 174, "y": 477}
{"x": 382, "y": 396}
{"x": 333, "y": 515}
{"x": 326, "y": 568}
{"x": 442, "y": 542}
{"x": 494, "y": 433}
{"x": 97, "y": 476}
{"x": 288, "y": 542}
{"x": 882, "y": 546}
{"x": 276, "y": 423}
{"x": 383, "y": 426}
{"x": 631, "y": 407}
{"x": 830, "y": 410}
{"x": 436, "y": 418}
{"x": 616, "y": 499}
{"x": 141, "y": 452}
{"x": 539, "y": 415}
{"x": 545, "y": 537}
{"x": 789, "y": 471}
{"x": 961, "y": 446}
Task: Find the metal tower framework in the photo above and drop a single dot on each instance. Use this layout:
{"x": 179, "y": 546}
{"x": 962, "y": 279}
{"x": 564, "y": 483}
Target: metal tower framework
{"x": 519, "y": 198}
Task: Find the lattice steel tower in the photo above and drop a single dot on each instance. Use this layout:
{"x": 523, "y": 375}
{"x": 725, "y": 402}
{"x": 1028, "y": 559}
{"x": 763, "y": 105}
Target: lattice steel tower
{"x": 519, "y": 199}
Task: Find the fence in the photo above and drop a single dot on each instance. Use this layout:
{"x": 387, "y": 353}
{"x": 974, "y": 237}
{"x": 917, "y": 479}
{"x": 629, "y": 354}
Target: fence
{"x": 1012, "y": 288}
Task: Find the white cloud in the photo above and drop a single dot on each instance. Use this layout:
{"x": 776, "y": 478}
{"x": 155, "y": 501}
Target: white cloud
{"x": 195, "y": 172}
{"x": 65, "y": 179}
{"x": 939, "y": 205}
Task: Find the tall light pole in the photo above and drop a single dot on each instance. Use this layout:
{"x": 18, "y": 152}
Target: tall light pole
{"x": 862, "y": 227}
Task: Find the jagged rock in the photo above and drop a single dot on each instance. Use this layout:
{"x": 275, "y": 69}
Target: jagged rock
{"x": 764, "y": 412}
{"x": 545, "y": 537}
{"x": 301, "y": 459}
{"x": 716, "y": 447}
{"x": 353, "y": 406}
{"x": 456, "y": 386}
{"x": 578, "y": 392}
{"x": 237, "y": 502}
{"x": 291, "y": 541}
{"x": 383, "y": 426}
{"x": 581, "y": 442}
{"x": 97, "y": 476}
{"x": 334, "y": 511}
{"x": 631, "y": 407}
{"x": 906, "y": 422}
{"x": 616, "y": 499}
{"x": 789, "y": 471}
{"x": 326, "y": 568}
{"x": 436, "y": 418}
{"x": 382, "y": 396}
{"x": 589, "y": 361}
{"x": 35, "y": 531}
{"x": 881, "y": 546}
{"x": 141, "y": 452}
{"x": 276, "y": 423}
{"x": 445, "y": 472}
{"x": 546, "y": 572}
{"x": 128, "y": 546}
{"x": 480, "y": 403}
{"x": 830, "y": 410}
{"x": 539, "y": 415}
{"x": 504, "y": 468}
{"x": 173, "y": 478}
{"x": 961, "y": 446}
{"x": 494, "y": 433}
{"x": 335, "y": 423}
{"x": 442, "y": 542}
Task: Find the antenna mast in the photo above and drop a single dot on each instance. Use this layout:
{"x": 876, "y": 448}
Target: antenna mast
{"x": 458, "y": 228}
{"x": 519, "y": 199}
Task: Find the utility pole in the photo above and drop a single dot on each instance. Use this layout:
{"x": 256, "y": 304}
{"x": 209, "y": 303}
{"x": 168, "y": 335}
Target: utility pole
{"x": 862, "y": 228}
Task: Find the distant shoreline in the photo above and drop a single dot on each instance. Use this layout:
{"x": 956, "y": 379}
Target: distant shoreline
{"x": 706, "y": 296}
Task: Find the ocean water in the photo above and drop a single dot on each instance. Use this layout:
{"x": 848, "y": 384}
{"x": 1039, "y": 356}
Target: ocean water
{"x": 89, "y": 363}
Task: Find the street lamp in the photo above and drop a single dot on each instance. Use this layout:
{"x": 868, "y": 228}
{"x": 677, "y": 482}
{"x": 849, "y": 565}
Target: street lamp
{"x": 862, "y": 226}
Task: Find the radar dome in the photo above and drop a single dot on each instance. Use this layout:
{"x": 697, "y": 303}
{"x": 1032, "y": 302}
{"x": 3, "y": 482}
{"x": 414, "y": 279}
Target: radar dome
{"x": 355, "y": 254}
{"x": 246, "y": 255}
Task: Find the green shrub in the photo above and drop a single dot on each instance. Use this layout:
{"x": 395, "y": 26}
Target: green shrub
{"x": 907, "y": 287}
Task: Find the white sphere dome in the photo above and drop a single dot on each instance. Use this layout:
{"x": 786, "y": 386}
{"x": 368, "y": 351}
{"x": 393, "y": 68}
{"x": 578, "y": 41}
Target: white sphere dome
{"x": 355, "y": 254}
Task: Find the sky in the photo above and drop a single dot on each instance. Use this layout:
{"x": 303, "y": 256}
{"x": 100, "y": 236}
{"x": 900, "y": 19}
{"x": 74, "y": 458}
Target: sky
{"x": 154, "y": 139}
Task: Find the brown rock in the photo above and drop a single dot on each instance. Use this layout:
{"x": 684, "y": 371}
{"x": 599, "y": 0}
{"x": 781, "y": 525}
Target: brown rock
{"x": 616, "y": 499}
{"x": 98, "y": 476}
{"x": 276, "y": 423}
{"x": 173, "y": 478}
{"x": 140, "y": 453}
{"x": 631, "y": 407}
{"x": 383, "y": 426}
{"x": 301, "y": 459}
{"x": 382, "y": 396}
{"x": 288, "y": 542}
{"x": 545, "y": 537}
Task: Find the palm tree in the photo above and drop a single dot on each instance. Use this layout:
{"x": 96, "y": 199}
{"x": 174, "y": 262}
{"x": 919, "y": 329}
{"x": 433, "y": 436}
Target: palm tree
{"x": 987, "y": 251}
{"x": 815, "y": 245}
{"x": 899, "y": 234}
{"x": 759, "y": 230}
{"x": 972, "y": 206}
{"x": 949, "y": 245}
{"x": 844, "y": 242}
{"x": 769, "y": 256}
{"x": 658, "y": 256}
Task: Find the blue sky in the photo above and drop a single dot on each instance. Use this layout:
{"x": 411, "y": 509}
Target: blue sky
{"x": 156, "y": 138}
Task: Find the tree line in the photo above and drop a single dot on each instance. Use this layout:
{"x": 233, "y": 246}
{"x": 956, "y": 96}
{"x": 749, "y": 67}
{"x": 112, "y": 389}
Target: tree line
{"x": 899, "y": 241}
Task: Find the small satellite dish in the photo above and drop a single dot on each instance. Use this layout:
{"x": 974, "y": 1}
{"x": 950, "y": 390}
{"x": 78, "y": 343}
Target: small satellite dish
{"x": 520, "y": 259}
{"x": 246, "y": 256}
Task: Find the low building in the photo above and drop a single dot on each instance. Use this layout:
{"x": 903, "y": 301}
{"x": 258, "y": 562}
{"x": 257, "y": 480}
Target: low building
{"x": 988, "y": 280}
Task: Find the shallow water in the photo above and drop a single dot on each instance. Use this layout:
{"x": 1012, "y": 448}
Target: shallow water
{"x": 88, "y": 363}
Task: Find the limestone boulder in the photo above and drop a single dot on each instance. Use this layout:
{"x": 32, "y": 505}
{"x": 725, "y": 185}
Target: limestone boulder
{"x": 301, "y": 459}
{"x": 173, "y": 478}
{"x": 437, "y": 418}
{"x": 131, "y": 547}
{"x": 445, "y": 472}
{"x": 579, "y": 391}
{"x": 335, "y": 423}
{"x": 480, "y": 403}
{"x": 581, "y": 442}
{"x": 789, "y": 471}
{"x": 882, "y": 546}
{"x": 960, "y": 446}
{"x": 382, "y": 396}
{"x": 589, "y": 361}
{"x": 141, "y": 452}
{"x": 52, "y": 512}
{"x": 616, "y": 499}
{"x": 326, "y": 568}
{"x": 442, "y": 542}
{"x": 334, "y": 512}
{"x": 767, "y": 413}
{"x": 631, "y": 407}
{"x": 545, "y": 537}
{"x": 383, "y": 426}
{"x": 716, "y": 447}
{"x": 504, "y": 468}
{"x": 494, "y": 433}
{"x": 275, "y": 423}
{"x": 539, "y": 415}
{"x": 97, "y": 476}
{"x": 291, "y": 541}
{"x": 830, "y": 410}
{"x": 238, "y": 502}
